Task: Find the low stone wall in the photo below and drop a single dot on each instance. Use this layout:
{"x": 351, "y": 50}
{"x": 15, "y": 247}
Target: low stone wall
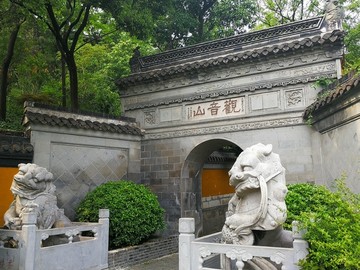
{"x": 215, "y": 201}
{"x": 153, "y": 249}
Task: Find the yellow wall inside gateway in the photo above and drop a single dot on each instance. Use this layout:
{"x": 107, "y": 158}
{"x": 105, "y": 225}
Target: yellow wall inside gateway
{"x": 6, "y": 197}
{"x": 215, "y": 182}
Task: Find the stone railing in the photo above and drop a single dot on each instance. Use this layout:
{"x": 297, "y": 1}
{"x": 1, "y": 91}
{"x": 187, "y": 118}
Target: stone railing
{"x": 82, "y": 246}
{"x": 207, "y": 253}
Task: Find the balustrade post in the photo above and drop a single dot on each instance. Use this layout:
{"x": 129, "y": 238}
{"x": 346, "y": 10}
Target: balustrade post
{"x": 187, "y": 235}
{"x": 28, "y": 242}
{"x": 104, "y": 237}
{"x": 300, "y": 245}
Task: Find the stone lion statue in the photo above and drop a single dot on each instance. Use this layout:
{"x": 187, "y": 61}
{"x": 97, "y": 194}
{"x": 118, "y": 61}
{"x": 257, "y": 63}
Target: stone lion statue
{"x": 258, "y": 204}
{"x": 34, "y": 191}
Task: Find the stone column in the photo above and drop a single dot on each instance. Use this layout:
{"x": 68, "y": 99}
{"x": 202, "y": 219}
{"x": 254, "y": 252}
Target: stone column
{"x": 186, "y": 230}
{"x": 104, "y": 220}
{"x": 28, "y": 242}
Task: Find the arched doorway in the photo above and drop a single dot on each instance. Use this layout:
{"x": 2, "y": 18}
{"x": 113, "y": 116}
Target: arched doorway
{"x": 204, "y": 183}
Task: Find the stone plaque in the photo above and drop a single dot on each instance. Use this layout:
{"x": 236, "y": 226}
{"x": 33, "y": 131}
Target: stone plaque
{"x": 170, "y": 114}
{"x": 264, "y": 101}
{"x": 216, "y": 108}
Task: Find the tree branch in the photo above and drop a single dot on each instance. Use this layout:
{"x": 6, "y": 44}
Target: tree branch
{"x": 72, "y": 10}
{"x": 55, "y": 28}
{"x": 104, "y": 35}
{"x": 81, "y": 27}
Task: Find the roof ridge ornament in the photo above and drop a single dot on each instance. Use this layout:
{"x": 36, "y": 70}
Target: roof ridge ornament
{"x": 334, "y": 15}
{"x": 134, "y": 61}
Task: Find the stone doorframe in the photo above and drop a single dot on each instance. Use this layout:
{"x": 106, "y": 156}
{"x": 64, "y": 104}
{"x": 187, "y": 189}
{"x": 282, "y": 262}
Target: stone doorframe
{"x": 191, "y": 173}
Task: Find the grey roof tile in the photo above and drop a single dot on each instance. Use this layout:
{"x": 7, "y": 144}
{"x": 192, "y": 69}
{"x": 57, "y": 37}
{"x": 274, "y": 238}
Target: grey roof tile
{"x": 15, "y": 149}
{"x": 53, "y": 120}
{"x": 335, "y": 91}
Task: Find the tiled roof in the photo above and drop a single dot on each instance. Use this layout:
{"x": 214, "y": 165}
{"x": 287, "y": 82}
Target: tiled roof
{"x": 338, "y": 90}
{"x": 15, "y": 145}
{"x": 14, "y": 149}
{"x": 217, "y": 157}
{"x": 237, "y": 42}
{"x": 240, "y": 48}
{"x": 274, "y": 48}
{"x": 50, "y": 117}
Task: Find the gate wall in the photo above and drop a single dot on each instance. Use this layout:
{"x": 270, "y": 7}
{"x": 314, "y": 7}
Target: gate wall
{"x": 256, "y": 92}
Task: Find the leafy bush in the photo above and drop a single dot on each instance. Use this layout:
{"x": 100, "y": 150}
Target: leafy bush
{"x": 135, "y": 213}
{"x": 332, "y": 224}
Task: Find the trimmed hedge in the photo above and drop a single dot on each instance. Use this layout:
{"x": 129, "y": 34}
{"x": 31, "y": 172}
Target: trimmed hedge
{"x": 332, "y": 224}
{"x": 135, "y": 213}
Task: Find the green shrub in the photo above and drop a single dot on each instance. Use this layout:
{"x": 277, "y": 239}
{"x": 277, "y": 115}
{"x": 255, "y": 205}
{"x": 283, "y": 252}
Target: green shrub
{"x": 305, "y": 198}
{"x": 332, "y": 224}
{"x": 135, "y": 213}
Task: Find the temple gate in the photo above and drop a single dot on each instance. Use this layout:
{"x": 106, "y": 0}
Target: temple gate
{"x": 200, "y": 105}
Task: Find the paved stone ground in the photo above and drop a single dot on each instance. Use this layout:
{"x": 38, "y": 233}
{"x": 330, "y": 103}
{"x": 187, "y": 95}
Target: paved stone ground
{"x": 170, "y": 262}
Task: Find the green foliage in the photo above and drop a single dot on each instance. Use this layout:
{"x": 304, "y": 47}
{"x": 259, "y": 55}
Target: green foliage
{"x": 310, "y": 120}
{"x": 96, "y": 89}
{"x": 324, "y": 82}
{"x": 276, "y": 12}
{"x": 325, "y": 86}
{"x": 99, "y": 65}
{"x": 193, "y": 21}
{"x": 352, "y": 41}
{"x": 139, "y": 18}
{"x": 332, "y": 223}
{"x": 231, "y": 17}
{"x": 13, "y": 118}
{"x": 135, "y": 213}
{"x": 304, "y": 197}
{"x": 35, "y": 72}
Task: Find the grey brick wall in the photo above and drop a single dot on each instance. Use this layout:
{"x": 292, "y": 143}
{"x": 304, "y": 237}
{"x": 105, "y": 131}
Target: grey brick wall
{"x": 161, "y": 170}
{"x": 153, "y": 249}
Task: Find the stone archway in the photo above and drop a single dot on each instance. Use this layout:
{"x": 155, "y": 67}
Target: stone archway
{"x": 191, "y": 179}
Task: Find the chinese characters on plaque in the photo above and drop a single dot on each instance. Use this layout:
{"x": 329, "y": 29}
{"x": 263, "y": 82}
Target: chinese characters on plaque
{"x": 218, "y": 108}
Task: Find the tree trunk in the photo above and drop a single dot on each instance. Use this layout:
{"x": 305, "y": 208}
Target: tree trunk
{"x": 5, "y": 70}
{"x": 70, "y": 60}
{"x": 63, "y": 80}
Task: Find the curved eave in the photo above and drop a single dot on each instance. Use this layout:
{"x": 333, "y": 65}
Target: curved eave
{"x": 308, "y": 42}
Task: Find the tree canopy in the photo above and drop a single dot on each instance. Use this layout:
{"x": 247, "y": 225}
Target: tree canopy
{"x": 192, "y": 21}
{"x": 69, "y": 52}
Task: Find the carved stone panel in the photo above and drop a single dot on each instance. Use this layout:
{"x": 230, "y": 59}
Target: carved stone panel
{"x": 294, "y": 98}
{"x": 149, "y": 117}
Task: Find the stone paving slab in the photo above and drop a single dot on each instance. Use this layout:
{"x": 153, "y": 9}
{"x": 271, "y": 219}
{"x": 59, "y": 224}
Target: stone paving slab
{"x": 170, "y": 262}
